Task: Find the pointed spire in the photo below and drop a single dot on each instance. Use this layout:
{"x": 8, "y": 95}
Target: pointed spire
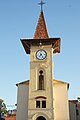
{"x": 41, "y": 30}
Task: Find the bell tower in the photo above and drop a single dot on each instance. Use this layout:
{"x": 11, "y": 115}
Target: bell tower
{"x": 41, "y": 49}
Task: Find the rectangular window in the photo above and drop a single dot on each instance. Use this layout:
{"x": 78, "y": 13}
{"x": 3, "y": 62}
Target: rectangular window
{"x": 77, "y": 112}
{"x": 43, "y": 104}
{"x": 41, "y": 82}
{"x": 37, "y": 104}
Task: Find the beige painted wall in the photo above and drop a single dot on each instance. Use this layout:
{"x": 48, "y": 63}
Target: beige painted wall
{"x": 35, "y": 66}
{"x": 61, "y": 110}
{"x": 61, "y": 107}
{"x": 22, "y": 102}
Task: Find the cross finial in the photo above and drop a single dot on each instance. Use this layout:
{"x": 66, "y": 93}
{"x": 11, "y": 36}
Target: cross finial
{"x": 41, "y": 3}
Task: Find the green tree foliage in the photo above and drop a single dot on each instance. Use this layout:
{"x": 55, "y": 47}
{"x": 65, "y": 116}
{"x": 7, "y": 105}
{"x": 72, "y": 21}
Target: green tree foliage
{"x": 3, "y": 107}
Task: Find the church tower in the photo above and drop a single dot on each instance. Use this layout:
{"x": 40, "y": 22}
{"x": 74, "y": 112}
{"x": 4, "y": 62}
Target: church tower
{"x": 41, "y": 49}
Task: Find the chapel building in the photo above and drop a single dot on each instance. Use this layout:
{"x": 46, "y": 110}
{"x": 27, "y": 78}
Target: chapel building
{"x": 42, "y": 97}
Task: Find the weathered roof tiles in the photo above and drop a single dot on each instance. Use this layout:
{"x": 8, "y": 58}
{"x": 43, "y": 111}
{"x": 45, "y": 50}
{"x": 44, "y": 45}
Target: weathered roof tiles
{"x": 41, "y": 29}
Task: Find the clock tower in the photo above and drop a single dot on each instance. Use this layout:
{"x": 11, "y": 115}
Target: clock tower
{"x": 41, "y": 49}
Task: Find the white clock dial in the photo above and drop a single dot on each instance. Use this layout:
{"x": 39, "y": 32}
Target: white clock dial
{"x": 41, "y": 54}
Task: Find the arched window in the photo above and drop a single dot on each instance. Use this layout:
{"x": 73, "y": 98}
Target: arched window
{"x": 41, "y": 80}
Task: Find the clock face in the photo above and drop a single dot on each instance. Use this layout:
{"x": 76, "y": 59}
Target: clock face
{"x": 41, "y": 54}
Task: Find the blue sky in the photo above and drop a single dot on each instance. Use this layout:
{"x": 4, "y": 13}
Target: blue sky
{"x": 18, "y": 19}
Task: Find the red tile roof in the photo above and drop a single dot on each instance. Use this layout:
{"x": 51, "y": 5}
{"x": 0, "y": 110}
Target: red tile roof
{"x": 41, "y": 36}
{"x": 41, "y": 29}
{"x": 73, "y": 101}
{"x": 10, "y": 117}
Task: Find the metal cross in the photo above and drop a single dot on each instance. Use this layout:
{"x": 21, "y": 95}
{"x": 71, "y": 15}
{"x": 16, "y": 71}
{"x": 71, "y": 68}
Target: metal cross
{"x": 41, "y": 3}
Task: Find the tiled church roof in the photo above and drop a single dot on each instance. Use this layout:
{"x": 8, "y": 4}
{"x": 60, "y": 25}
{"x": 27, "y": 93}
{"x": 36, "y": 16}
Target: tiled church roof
{"x": 41, "y": 36}
{"x": 54, "y": 81}
{"x": 41, "y": 29}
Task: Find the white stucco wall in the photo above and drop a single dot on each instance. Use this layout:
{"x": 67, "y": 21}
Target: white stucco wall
{"x": 61, "y": 107}
{"x": 22, "y": 102}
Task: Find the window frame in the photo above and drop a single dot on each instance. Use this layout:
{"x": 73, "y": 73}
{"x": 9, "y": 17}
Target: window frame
{"x": 37, "y": 103}
{"x": 40, "y": 101}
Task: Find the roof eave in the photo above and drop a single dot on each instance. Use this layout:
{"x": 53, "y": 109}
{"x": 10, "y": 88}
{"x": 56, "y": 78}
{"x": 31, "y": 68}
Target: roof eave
{"x": 54, "y": 41}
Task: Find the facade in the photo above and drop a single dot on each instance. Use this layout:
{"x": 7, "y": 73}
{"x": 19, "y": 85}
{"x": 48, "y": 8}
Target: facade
{"x": 22, "y": 101}
{"x": 60, "y": 98}
{"x": 42, "y": 97}
{"x": 74, "y": 109}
